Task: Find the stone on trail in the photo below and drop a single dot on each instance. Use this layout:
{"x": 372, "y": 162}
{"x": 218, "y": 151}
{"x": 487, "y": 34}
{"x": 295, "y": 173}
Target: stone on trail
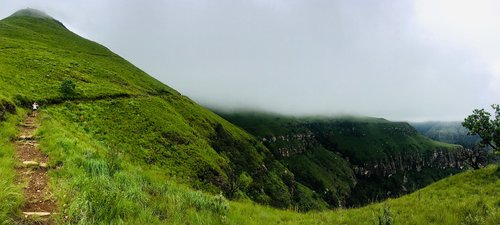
{"x": 25, "y": 137}
{"x": 26, "y": 214}
{"x": 34, "y": 164}
{"x": 30, "y": 163}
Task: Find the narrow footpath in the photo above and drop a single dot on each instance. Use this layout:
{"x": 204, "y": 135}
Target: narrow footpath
{"x": 31, "y": 171}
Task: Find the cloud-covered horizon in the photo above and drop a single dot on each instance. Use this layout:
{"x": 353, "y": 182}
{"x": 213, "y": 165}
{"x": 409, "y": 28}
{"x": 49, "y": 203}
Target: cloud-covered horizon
{"x": 401, "y": 60}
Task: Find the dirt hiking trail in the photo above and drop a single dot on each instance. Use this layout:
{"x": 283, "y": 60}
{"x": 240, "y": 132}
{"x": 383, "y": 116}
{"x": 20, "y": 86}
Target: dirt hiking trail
{"x": 31, "y": 170}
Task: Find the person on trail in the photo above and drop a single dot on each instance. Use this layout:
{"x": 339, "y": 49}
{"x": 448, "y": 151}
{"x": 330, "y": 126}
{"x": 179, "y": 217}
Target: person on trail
{"x": 35, "y": 108}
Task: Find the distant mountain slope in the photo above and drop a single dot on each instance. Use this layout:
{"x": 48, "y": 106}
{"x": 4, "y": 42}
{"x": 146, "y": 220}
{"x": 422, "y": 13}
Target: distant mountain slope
{"x": 387, "y": 158}
{"x": 449, "y": 132}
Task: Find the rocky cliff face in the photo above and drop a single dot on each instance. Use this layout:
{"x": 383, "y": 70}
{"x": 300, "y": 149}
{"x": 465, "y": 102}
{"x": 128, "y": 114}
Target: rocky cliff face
{"x": 404, "y": 169}
{"x": 411, "y": 161}
{"x": 290, "y": 144}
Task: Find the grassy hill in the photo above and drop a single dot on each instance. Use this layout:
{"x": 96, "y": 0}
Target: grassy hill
{"x": 127, "y": 149}
{"x": 121, "y": 116}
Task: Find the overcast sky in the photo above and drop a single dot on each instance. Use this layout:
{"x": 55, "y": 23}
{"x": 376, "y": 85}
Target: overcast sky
{"x": 402, "y": 60}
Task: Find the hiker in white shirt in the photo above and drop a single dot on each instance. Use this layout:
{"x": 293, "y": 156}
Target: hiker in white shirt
{"x": 35, "y": 108}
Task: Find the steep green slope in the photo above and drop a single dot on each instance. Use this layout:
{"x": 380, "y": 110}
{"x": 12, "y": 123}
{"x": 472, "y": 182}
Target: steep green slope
{"x": 387, "y": 158}
{"x": 193, "y": 145}
{"x": 130, "y": 114}
{"x": 38, "y": 53}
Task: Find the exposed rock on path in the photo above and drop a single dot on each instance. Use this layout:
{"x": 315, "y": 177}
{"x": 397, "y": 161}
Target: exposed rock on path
{"x": 31, "y": 171}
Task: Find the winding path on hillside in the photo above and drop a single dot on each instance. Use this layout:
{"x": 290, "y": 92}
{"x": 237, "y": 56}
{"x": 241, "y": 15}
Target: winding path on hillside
{"x": 32, "y": 175}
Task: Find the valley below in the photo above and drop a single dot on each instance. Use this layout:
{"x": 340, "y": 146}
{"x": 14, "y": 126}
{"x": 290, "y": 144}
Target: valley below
{"x": 352, "y": 161}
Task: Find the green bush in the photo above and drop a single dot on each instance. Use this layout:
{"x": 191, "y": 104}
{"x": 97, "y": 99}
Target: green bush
{"x": 68, "y": 89}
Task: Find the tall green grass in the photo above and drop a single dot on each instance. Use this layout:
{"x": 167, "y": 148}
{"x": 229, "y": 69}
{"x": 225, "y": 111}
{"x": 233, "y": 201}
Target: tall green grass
{"x": 10, "y": 193}
{"x": 94, "y": 188}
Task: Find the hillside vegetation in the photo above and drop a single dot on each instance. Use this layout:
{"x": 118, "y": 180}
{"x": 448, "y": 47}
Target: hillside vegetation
{"x": 127, "y": 149}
